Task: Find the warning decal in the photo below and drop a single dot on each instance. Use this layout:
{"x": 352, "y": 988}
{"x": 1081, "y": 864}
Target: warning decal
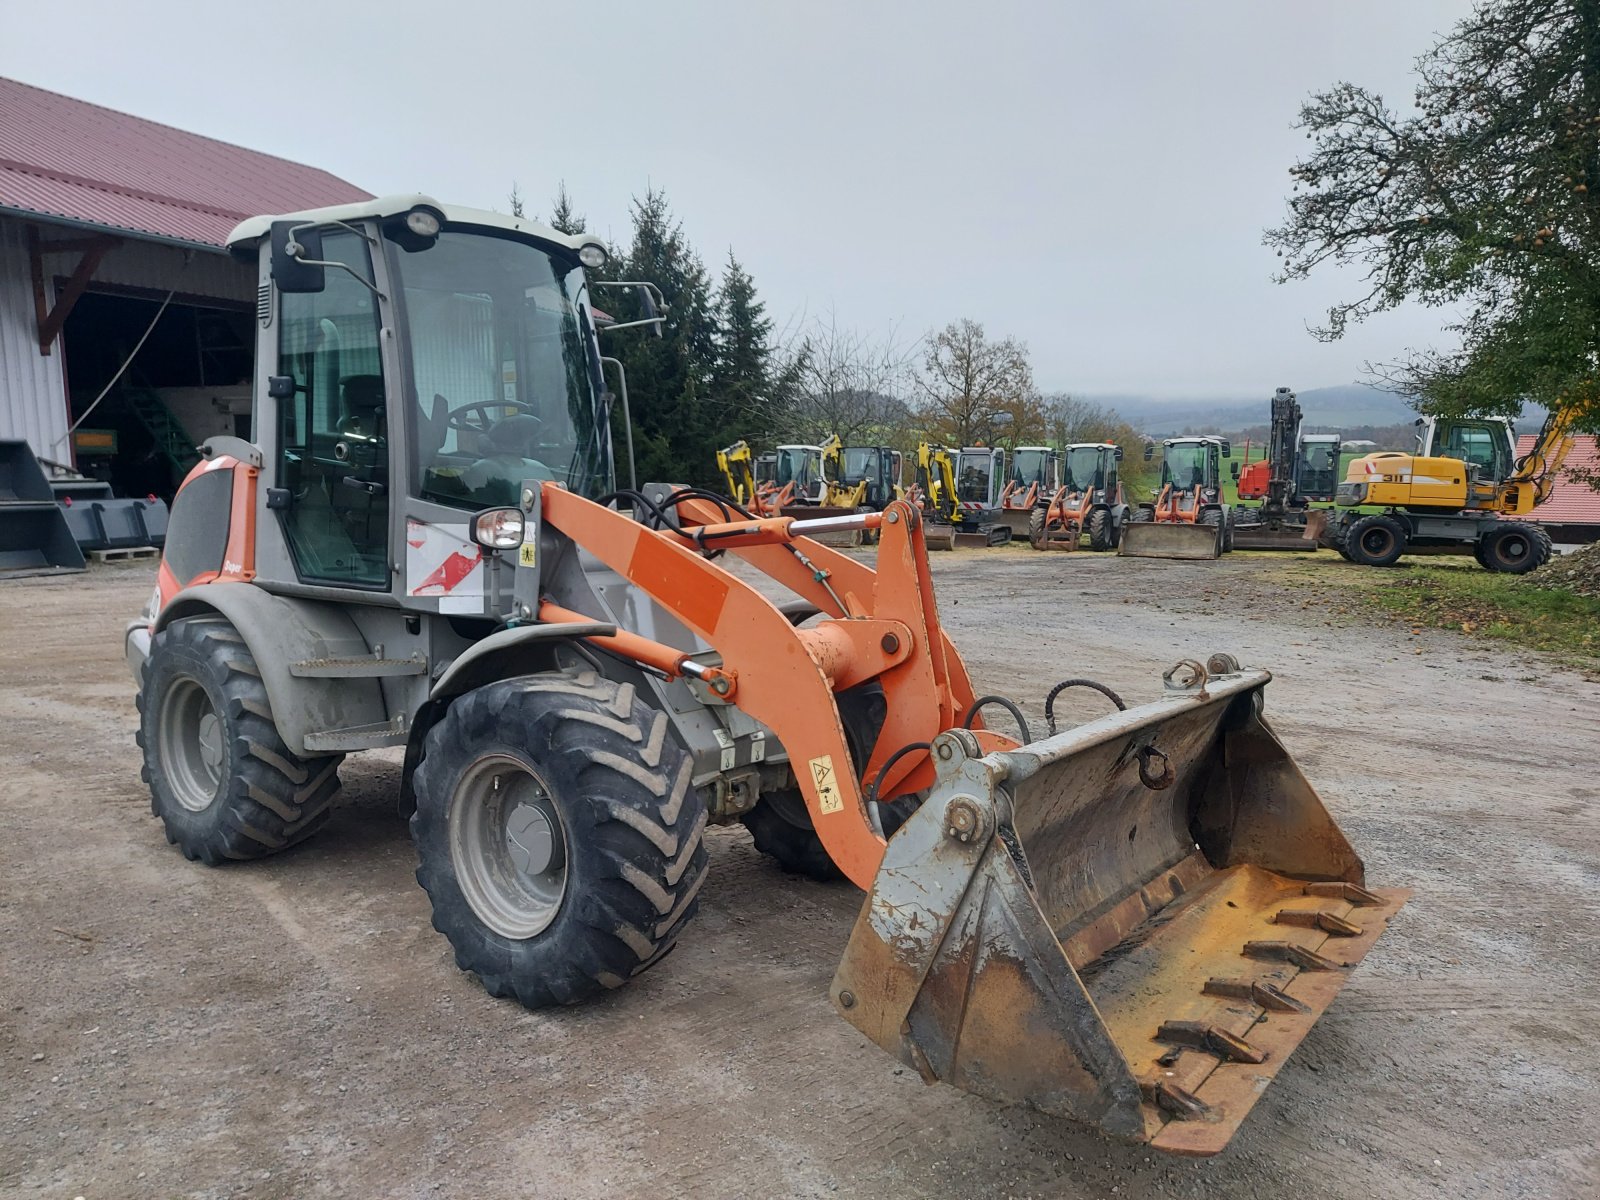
{"x": 442, "y": 563}
{"x": 827, "y": 786}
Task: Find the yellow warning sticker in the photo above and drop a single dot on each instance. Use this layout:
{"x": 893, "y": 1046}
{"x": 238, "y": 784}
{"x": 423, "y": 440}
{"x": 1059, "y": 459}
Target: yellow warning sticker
{"x": 827, "y": 785}
{"x": 525, "y": 556}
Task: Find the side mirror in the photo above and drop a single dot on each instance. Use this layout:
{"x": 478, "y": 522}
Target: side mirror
{"x": 1149, "y": 451}
{"x": 647, "y": 302}
{"x": 1116, "y": 453}
{"x": 1233, "y": 469}
{"x": 1227, "y": 448}
{"x": 291, "y": 271}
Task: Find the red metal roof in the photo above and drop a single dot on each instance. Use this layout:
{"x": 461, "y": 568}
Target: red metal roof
{"x": 1572, "y": 502}
{"x": 62, "y": 157}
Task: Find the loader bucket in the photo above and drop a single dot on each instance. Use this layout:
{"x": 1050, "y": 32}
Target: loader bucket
{"x": 1132, "y": 923}
{"x": 1167, "y": 539}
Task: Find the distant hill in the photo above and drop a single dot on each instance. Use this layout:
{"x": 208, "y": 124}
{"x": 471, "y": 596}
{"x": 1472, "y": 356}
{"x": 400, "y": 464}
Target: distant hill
{"x": 1346, "y": 406}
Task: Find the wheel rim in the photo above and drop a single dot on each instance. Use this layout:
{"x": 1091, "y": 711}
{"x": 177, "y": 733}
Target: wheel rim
{"x": 1513, "y": 549}
{"x": 193, "y": 750}
{"x": 1377, "y": 542}
{"x": 508, "y": 846}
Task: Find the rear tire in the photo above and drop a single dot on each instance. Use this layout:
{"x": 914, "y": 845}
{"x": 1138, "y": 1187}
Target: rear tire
{"x": 221, "y": 778}
{"x": 558, "y": 836}
{"x": 781, "y": 827}
{"x": 1145, "y": 512}
{"x": 1514, "y": 548}
{"x": 1375, "y": 541}
{"x": 1101, "y": 536}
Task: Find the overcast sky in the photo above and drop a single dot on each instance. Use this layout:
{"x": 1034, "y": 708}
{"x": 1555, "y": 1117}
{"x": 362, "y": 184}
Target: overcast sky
{"x": 1091, "y": 177}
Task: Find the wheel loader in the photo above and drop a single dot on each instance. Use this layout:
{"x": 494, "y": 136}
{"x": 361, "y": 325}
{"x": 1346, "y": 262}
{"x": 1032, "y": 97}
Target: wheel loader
{"x": 1033, "y": 478}
{"x": 1089, "y": 501}
{"x": 1189, "y": 517}
{"x": 1129, "y": 923}
{"x": 1453, "y": 496}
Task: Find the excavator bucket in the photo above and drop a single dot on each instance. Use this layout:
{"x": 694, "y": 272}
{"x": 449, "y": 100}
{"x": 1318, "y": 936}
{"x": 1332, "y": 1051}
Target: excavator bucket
{"x": 1132, "y": 923}
{"x": 1168, "y": 539}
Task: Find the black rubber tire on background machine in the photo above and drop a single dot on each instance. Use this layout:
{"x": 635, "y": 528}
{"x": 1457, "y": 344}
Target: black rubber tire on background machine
{"x": 1101, "y": 534}
{"x": 558, "y": 835}
{"x": 221, "y": 778}
{"x": 1038, "y": 522}
{"x": 1514, "y": 548}
{"x": 1377, "y": 540}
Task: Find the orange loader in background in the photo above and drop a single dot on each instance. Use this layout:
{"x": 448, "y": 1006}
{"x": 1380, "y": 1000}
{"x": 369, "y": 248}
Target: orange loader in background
{"x": 1188, "y": 518}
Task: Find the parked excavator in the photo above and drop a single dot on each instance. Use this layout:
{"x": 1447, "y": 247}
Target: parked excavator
{"x": 1189, "y": 517}
{"x": 746, "y": 488}
{"x": 1298, "y": 468}
{"x": 1090, "y": 500}
{"x": 1454, "y": 495}
{"x": 1131, "y": 923}
{"x": 980, "y": 479}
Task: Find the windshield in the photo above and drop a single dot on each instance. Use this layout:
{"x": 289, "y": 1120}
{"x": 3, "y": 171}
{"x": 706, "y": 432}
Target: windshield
{"x": 861, "y": 462}
{"x": 799, "y": 465}
{"x": 504, "y": 368}
{"x": 1184, "y": 466}
{"x": 1083, "y": 468}
{"x": 1027, "y": 467}
{"x": 972, "y": 477}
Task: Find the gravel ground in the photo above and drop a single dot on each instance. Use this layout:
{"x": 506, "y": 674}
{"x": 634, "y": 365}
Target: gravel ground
{"x": 294, "y": 1027}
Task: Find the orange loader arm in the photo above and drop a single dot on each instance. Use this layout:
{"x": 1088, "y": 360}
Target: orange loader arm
{"x": 879, "y": 624}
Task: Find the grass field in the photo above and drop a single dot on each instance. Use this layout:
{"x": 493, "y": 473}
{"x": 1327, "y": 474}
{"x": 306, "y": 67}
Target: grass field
{"x": 1456, "y": 593}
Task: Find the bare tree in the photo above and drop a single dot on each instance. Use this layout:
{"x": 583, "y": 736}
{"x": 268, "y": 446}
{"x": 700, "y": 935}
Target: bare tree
{"x": 972, "y": 391}
{"x": 1071, "y": 419}
{"x": 846, "y": 382}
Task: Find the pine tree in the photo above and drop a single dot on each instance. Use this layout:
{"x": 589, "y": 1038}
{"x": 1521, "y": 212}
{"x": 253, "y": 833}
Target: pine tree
{"x": 563, "y": 217}
{"x": 741, "y": 381}
{"x": 676, "y": 428}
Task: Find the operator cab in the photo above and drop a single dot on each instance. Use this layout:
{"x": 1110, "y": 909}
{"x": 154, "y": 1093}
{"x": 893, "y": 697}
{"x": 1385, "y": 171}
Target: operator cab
{"x": 1190, "y": 463}
{"x": 979, "y": 474}
{"x": 801, "y": 466}
{"x": 419, "y": 358}
{"x": 1032, "y": 465}
{"x": 1487, "y": 445}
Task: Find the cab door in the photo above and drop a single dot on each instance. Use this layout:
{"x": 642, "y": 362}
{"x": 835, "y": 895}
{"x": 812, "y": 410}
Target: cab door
{"x": 332, "y": 473}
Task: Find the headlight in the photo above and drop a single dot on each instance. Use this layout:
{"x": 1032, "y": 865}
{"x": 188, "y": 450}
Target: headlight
{"x": 592, "y": 255}
{"x": 422, "y": 223}
{"x": 498, "y": 528}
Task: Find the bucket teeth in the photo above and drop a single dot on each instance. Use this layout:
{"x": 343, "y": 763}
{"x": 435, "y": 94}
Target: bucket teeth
{"x": 1211, "y": 1038}
{"x": 1326, "y": 921}
{"x": 1292, "y": 952}
{"x": 1177, "y": 1103}
{"x": 1350, "y": 892}
{"x": 1258, "y": 991}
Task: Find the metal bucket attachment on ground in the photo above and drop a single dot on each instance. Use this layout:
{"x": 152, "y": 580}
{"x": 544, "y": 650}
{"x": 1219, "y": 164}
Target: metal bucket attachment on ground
{"x": 1132, "y": 923}
{"x": 1273, "y": 537}
{"x": 1166, "y": 539}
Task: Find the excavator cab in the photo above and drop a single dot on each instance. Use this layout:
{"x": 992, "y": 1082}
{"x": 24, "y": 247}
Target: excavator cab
{"x": 1131, "y": 922}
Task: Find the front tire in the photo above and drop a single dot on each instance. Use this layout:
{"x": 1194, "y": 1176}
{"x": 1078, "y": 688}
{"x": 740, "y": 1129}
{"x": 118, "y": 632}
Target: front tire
{"x": 559, "y": 838}
{"x": 222, "y": 780}
{"x": 1375, "y": 541}
{"x": 1101, "y": 535}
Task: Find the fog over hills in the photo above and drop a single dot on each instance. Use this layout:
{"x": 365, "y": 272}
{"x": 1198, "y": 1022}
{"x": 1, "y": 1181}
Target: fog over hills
{"x": 1341, "y": 407}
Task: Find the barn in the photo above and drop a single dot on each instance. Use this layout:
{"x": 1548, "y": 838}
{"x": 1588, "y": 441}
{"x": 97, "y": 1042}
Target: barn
{"x": 1572, "y": 513}
{"x": 125, "y": 326}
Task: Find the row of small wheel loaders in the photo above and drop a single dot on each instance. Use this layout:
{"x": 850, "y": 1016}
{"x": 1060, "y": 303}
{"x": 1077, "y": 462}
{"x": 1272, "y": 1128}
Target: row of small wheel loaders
{"x": 1130, "y": 922}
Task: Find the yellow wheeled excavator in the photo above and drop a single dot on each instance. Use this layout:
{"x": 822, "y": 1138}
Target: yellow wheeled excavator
{"x": 1130, "y": 923}
{"x": 1453, "y": 495}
